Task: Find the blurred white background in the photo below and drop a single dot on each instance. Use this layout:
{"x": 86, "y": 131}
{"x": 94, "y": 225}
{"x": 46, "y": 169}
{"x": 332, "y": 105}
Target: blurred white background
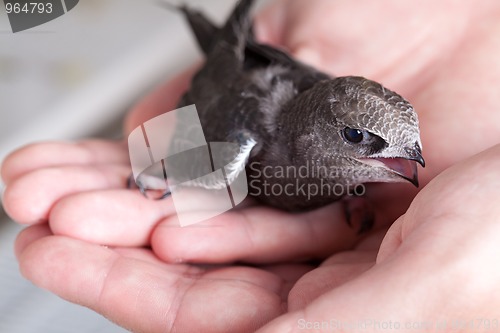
{"x": 73, "y": 77}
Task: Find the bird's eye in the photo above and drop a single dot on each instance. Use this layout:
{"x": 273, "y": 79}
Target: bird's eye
{"x": 353, "y": 135}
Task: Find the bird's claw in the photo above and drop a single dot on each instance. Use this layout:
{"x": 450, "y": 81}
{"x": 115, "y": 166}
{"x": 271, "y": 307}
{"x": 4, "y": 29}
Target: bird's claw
{"x": 148, "y": 193}
{"x": 358, "y": 211}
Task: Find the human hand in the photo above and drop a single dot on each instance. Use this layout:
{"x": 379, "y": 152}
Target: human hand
{"x": 436, "y": 269}
{"x": 91, "y": 177}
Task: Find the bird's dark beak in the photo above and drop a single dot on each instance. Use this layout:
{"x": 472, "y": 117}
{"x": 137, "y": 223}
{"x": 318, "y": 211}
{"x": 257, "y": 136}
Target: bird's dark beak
{"x": 415, "y": 154}
{"x": 406, "y": 166}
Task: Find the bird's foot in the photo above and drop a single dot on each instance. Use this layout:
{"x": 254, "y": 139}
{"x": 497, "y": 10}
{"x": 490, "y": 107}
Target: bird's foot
{"x": 155, "y": 194}
{"x": 359, "y": 212}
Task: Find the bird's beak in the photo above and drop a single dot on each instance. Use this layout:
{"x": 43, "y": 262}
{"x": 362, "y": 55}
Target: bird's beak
{"x": 415, "y": 154}
{"x": 404, "y": 166}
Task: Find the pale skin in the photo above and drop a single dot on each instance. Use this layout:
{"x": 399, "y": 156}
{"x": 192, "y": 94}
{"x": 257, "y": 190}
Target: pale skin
{"x": 438, "y": 262}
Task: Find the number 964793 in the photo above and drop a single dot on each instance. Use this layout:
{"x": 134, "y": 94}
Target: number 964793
{"x": 28, "y": 8}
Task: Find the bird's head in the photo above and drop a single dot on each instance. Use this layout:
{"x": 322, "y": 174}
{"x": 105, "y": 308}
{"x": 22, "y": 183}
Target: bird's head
{"x": 372, "y": 129}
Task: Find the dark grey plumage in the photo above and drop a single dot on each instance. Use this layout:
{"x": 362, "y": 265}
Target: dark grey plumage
{"x": 285, "y": 115}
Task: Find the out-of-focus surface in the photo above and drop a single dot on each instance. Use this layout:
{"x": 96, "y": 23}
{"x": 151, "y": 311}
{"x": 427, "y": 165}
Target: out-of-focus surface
{"x": 82, "y": 69}
{"x": 74, "y": 77}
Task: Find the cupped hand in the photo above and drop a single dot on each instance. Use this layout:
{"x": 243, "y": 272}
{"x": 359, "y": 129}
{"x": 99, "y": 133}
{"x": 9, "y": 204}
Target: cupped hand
{"x": 436, "y": 269}
{"x": 73, "y": 195}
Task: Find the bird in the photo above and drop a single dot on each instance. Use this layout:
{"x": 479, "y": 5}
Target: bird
{"x": 287, "y": 117}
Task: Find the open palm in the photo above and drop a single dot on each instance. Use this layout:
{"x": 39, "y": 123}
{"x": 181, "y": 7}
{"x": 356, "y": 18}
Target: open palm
{"x": 154, "y": 276}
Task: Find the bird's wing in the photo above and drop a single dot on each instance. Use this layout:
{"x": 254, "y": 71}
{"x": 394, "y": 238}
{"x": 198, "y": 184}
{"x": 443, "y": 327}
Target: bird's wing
{"x": 302, "y": 75}
{"x": 213, "y": 166}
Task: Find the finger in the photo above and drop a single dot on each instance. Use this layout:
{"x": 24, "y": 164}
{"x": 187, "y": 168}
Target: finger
{"x": 30, "y": 235}
{"x": 50, "y": 154}
{"x": 163, "y": 99}
{"x": 30, "y": 197}
{"x": 333, "y": 272}
{"x": 145, "y": 297}
{"x": 290, "y": 274}
{"x": 256, "y": 234}
{"x": 111, "y": 217}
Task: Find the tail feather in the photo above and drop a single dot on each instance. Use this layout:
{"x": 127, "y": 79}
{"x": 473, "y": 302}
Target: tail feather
{"x": 238, "y": 26}
{"x": 235, "y": 32}
{"x": 204, "y": 30}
